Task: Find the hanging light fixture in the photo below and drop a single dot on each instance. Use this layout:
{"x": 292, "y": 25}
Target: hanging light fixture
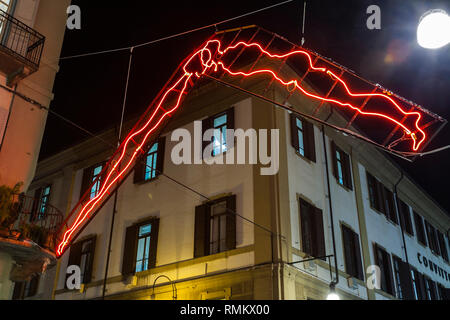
{"x": 433, "y": 31}
{"x": 332, "y": 295}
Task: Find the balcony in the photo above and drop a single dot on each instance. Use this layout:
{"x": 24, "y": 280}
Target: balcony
{"x": 20, "y": 49}
{"x": 28, "y": 233}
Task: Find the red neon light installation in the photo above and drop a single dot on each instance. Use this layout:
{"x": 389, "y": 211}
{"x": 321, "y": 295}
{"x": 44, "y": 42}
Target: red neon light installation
{"x": 210, "y": 58}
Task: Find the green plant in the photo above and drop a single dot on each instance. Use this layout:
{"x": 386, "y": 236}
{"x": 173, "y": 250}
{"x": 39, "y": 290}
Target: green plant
{"x": 8, "y": 207}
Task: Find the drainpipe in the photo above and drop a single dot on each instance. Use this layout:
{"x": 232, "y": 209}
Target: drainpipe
{"x": 397, "y": 209}
{"x": 336, "y": 281}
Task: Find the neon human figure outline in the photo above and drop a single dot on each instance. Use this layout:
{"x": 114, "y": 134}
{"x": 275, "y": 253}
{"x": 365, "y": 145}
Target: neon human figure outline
{"x": 210, "y": 59}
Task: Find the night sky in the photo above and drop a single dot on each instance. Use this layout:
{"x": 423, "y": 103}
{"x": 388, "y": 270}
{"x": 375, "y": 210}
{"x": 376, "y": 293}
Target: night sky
{"x": 89, "y": 90}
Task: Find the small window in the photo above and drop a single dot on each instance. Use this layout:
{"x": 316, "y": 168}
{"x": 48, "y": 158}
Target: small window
{"x": 312, "y": 233}
{"x": 150, "y": 165}
{"x": 396, "y": 262}
{"x": 383, "y": 260}
{"x": 405, "y": 217}
{"x": 82, "y": 255}
{"x": 444, "y": 252}
{"x": 41, "y": 202}
{"x": 92, "y": 180}
{"x": 302, "y": 137}
{"x": 26, "y": 289}
{"x": 352, "y": 253}
{"x": 141, "y": 243}
{"x": 220, "y": 123}
{"x": 432, "y": 238}
{"x": 430, "y": 288}
{"x": 5, "y": 5}
{"x": 341, "y": 166}
{"x": 215, "y": 227}
{"x": 389, "y": 205}
{"x": 415, "y": 283}
{"x": 381, "y": 198}
{"x": 375, "y": 196}
{"x": 420, "y": 229}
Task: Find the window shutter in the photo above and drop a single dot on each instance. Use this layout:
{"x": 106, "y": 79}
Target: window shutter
{"x": 34, "y": 285}
{"x": 36, "y": 203}
{"x": 406, "y": 280}
{"x": 444, "y": 251}
{"x": 74, "y": 256}
{"x": 201, "y": 236}
{"x": 230, "y": 237}
{"x": 381, "y": 204}
{"x": 230, "y": 119}
{"x": 88, "y": 273}
{"x": 294, "y": 132}
{"x": 139, "y": 169}
{"x": 160, "y": 156}
{"x": 422, "y": 288}
{"x": 87, "y": 180}
{"x": 347, "y": 172}
{"x": 359, "y": 267}
{"x": 310, "y": 144}
{"x": 350, "y": 268}
{"x": 334, "y": 159}
{"x": 388, "y": 270}
{"x": 306, "y": 227}
{"x": 206, "y": 124}
{"x": 129, "y": 251}
{"x": 153, "y": 243}
{"x": 319, "y": 238}
{"x": 18, "y": 292}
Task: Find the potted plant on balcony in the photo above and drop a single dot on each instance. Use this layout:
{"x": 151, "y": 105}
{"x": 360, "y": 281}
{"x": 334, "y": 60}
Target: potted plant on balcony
{"x": 9, "y": 208}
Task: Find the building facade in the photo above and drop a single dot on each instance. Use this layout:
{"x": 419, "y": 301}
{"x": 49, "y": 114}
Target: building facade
{"x": 225, "y": 231}
{"x": 31, "y": 37}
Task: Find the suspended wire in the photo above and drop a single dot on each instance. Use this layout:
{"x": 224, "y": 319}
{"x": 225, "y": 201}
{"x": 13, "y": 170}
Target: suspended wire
{"x": 125, "y": 95}
{"x": 178, "y": 34}
{"x": 303, "y": 23}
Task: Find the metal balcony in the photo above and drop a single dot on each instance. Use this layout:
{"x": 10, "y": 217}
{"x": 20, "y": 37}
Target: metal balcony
{"x": 20, "y": 49}
{"x": 32, "y": 219}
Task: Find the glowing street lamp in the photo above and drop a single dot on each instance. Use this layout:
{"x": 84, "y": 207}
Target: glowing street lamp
{"x": 332, "y": 295}
{"x": 433, "y": 31}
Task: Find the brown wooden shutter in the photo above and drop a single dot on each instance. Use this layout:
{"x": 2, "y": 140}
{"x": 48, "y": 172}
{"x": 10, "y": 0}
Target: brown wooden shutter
{"x": 379, "y": 192}
{"x": 88, "y": 272}
{"x": 206, "y": 124}
{"x": 153, "y": 243}
{"x": 406, "y": 280}
{"x": 347, "y": 172}
{"x": 230, "y": 237}
{"x": 350, "y": 268}
{"x": 294, "y": 132}
{"x": 87, "y": 180}
{"x": 319, "y": 238}
{"x": 74, "y": 256}
{"x": 18, "y": 293}
{"x": 334, "y": 159}
{"x": 310, "y": 146}
{"x": 36, "y": 204}
{"x": 422, "y": 287}
{"x": 129, "y": 251}
{"x": 34, "y": 285}
{"x": 230, "y": 118}
{"x": 139, "y": 169}
{"x": 202, "y": 232}
{"x": 160, "y": 156}
{"x": 306, "y": 227}
{"x": 359, "y": 267}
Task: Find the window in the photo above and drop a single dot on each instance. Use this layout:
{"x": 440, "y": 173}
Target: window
{"x": 430, "y": 288}
{"x": 313, "y": 238}
{"x": 141, "y": 243}
{"x": 396, "y": 263}
{"x": 405, "y": 283}
{"x": 5, "y": 5}
{"x": 389, "y": 206}
{"x": 215, "y": 227}
{"x": 26, "y": 289}
{"x": 415, "y": 283}
{"x": 381, "y": 198}
{"x": 352, "y": 253}
{"x": 41, "y": 200}
{"x": 302, "y": 137}
{"x": 82, "y": 255}
{"x": 220, "y": 123}
{"x": 150, "y": 165}
{"x": 444, "y": 252}
{"x": 383, "y": 260}
{"x": 443, "y": 292}
{"x": 432, "y": 238}
{"x": 92, "y": 180}
{"x": 405, "y": 217}
{"x": 420, "y": 229}
{"x": 341, "y": 166}
{"x": 375, "y": 193}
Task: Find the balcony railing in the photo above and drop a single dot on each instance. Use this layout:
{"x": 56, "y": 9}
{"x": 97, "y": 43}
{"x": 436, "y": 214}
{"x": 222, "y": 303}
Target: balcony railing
{"x": 20, "y": 41}
{"x": 33, "y": 219}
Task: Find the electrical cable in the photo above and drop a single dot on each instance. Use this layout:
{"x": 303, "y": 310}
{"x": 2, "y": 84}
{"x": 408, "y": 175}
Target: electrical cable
{"x": 178, "y": 34}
